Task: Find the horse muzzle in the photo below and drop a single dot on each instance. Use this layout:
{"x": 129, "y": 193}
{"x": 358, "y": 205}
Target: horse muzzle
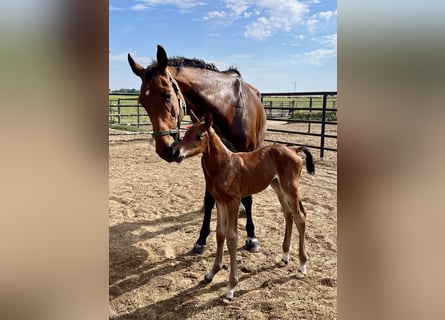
{"x": 165, "y": 151}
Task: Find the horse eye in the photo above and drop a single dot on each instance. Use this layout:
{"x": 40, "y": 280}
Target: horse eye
{"x": 168, "y": 96}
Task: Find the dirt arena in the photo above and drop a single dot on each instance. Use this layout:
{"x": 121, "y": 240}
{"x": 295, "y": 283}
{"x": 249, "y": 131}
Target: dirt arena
{"x": 155, "y": 219}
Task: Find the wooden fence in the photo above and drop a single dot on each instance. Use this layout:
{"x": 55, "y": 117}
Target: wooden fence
{"x": 316, "y": 110}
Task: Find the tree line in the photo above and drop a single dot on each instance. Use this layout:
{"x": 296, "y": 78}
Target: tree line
{"x": 124, "y": 90}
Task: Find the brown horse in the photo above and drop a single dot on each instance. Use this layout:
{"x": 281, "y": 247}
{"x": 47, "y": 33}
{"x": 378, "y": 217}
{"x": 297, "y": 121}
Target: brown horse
{"x": 170, "y": 86}
{"x": 231, "y": 176}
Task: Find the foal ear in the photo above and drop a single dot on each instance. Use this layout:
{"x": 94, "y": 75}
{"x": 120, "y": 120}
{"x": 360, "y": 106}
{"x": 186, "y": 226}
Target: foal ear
{"x": 136, "y": 67}
{"x": 208, "y": 120}
{"x": 161, "y": 55}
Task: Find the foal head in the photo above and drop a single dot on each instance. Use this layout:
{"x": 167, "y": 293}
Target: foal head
{"x": 195, "y": 140}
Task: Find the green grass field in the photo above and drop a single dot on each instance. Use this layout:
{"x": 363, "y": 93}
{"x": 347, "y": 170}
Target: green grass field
{"x": 127, "y": 107}
{"x": 124, "y": 110}
{"x": 298, "y": 102}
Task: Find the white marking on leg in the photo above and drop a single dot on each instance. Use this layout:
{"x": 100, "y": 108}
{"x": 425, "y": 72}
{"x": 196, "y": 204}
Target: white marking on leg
{"x": 302, "y": 268}
{"x": 229, "y": 293}
{"x": 285, "y": 258}
{"x": 252, "y": 240}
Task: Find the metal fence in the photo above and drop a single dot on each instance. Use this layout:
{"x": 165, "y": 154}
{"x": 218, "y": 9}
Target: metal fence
{"x": 304, "y": 107}
{"x": 315, "y": 109}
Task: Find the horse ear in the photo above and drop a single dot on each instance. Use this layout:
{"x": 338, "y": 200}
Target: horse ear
{"x": 161, "y": 55}
{"x": 136, "y": 67}
{"x": 208, "y": 120}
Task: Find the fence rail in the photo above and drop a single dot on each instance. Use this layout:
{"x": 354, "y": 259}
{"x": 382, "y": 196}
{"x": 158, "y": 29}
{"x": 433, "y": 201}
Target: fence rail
{"x": 318, "y": 108}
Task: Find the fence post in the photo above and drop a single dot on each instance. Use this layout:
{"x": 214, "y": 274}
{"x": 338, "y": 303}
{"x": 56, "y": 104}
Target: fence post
{"x": 310, "y": 115}
{"x": 139, "y": 116}
{"x": 110, "y": 109}
{"x": 323, "y": 125}
{"x": 119, "y": 110}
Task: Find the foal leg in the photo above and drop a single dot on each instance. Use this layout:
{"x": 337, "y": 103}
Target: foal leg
{"x": 252, "y": 243}
{"x": 221, "y": 227}
{"x": 201, "y": 244}
{"x": 287, "y": 236}
{"x": 288, "y": 219}
{"x": 232, "y": 243}
{"x": 300, "y": 221}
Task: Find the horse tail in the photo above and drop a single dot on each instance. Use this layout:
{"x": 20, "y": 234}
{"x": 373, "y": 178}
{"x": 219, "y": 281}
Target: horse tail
{"x": 310, "y": 167}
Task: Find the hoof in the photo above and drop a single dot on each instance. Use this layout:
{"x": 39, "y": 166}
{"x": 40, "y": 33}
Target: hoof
{"x": 207, "y": 278}
{"x": 252, "y": 245}
{"x": 302, "y": 269}
{"x": 198, "y": 249}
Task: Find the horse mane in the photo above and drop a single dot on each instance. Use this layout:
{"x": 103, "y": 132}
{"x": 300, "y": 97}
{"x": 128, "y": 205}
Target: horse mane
{"x": 179, "y": 62}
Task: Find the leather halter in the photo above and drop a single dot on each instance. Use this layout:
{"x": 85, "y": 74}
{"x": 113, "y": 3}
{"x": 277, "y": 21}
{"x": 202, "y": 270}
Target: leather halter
{"x": 175, "y": 132}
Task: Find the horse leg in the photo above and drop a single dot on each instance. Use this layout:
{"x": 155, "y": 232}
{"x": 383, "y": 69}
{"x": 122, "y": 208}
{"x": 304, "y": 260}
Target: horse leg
{"x": 300, "y": 221}
{"x": 201, "y": 244}
{"x": 232, "y": 243}
{"x": 252, "y": 243}
{"x": 221, "y": 227}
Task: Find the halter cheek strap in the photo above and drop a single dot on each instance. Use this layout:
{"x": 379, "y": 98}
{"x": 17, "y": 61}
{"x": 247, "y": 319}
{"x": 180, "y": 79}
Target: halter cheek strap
{"x": 182, "y": 111}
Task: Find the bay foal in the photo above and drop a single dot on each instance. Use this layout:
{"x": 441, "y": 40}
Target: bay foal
{"x": 232, "y": 176}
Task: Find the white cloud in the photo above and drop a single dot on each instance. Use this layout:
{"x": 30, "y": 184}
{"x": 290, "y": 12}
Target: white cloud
{"x": 238, "y": 7}
{"x": 112, "y": 8}
{"x": 315, "y": 19}
{"x": 272, "y": 15}
{"x": 314, "y": 57}
{"x": 327, "y": 14}
{"x": 282, "y": 15}
{"x": 140, "y": 7}
{"x": 181, "y": 4}
{"x": 215, "y": 14}
{"x": 328, "y": 40}
{"x": 247, "y": 14}
{"x": 120, "y": 57}
{"x": 123, "y": 58}
{"x": 328, "y": 51}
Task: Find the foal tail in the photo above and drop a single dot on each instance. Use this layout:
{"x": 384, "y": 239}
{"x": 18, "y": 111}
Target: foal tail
{"x": 310, "y": 167}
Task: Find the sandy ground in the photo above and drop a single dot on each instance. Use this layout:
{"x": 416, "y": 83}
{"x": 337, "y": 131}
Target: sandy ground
{"x": 155, "y": 218}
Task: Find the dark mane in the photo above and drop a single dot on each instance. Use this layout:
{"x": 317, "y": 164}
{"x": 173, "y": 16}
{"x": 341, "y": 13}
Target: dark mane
{"x": 180, "y": 62}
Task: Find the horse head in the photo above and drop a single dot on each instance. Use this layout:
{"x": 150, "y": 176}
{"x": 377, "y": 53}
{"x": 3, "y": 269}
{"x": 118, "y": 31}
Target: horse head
{"x": 162, "y": 100}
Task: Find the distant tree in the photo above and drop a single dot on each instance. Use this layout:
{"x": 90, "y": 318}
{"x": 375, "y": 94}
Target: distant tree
{"x": 125, "y": 90}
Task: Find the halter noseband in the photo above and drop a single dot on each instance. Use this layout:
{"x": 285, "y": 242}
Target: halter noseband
{"x": 182, "y": 111}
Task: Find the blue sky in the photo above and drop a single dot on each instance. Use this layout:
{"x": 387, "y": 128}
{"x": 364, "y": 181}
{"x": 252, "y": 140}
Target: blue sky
{"x": 278, "y": 45}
